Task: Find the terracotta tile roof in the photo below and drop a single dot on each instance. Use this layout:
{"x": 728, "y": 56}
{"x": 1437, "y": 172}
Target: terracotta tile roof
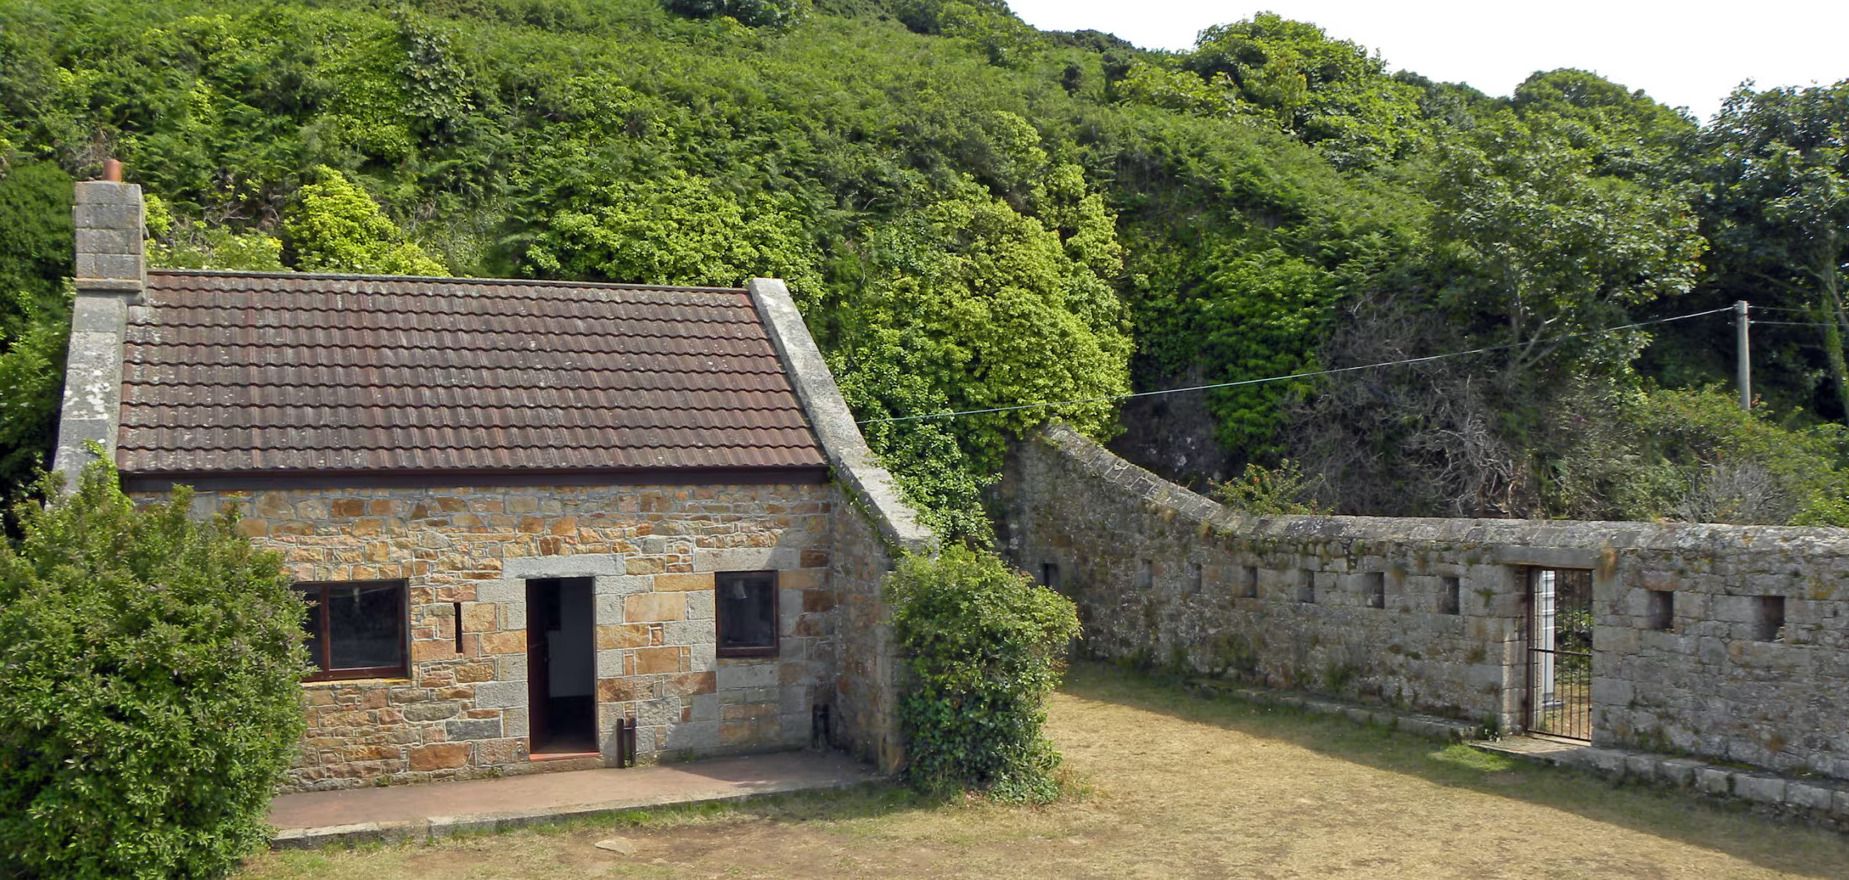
{"x": 274, "y": 374}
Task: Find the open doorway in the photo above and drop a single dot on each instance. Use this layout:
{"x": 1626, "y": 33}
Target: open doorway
{"x": 561, "y": 663}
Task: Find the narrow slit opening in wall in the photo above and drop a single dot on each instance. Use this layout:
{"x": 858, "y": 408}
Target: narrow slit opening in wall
{"x": 1248, "y": 582}
{"x": 1306, "y": 586}
{"x": 1769, "y": 618}
{"x": 1194, "y": 577}
{"x": 1049, "y": 575}
{"x": 1661, "y": 609}
{"x": 1374, "y": 588}
{"x": 1450, "y": 595}
{"x": 457, "y": 608}
{"x": 1145, "y": 575}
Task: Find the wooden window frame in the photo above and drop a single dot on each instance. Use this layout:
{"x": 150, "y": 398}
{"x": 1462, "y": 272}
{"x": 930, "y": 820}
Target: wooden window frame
{"x": 720, "y": 579}
{"x": 316, "y": 592}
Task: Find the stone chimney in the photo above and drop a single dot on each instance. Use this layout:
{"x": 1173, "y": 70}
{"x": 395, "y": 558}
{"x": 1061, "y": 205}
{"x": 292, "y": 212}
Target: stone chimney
{"x": 111, "y": 272}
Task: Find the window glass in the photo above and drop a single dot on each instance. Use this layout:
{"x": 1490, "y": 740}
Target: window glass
{"x": 746, "y": 607}
{"x": 363, "y": 623}
{"x": 356, "y": 630}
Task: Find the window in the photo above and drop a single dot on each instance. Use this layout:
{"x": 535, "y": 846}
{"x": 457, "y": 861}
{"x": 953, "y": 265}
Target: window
{"x": 1660, "y": 610}
{"x": 1374, "y": 589}
{"x": 1450, "y": 595}
{"x": 1306, "y": 586}
{"x": 356, "y": 629}
{"x": 1248, "y": 582}
{"x": 1769, "y": 618}
{"x": 746, "y": 608}
{"x": 1049, "y": 574}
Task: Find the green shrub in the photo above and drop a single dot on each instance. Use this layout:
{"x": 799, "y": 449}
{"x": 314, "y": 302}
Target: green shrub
{"x": 751, "y": 13}
{"x": 149, "y": 688}
{"x": 984, "y": 645}
{"x": 1269, "y": 491}
{"x": 1694, "y": 455}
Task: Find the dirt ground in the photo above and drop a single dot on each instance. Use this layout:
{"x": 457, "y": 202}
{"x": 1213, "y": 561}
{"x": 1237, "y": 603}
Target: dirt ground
{"x": 1168, "y": 785}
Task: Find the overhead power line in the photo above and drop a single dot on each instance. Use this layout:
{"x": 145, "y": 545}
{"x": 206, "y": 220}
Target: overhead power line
{"x": 1308, "y": 375}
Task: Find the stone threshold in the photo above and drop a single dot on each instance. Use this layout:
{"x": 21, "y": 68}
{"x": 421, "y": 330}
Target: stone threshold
{"x": 1813, "y": 800}
{"x": 1447, "y": 729}
{"x": 432, "y": 811}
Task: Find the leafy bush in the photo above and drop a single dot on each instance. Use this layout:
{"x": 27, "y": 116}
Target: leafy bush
{"x": 149, "y": 688}
{"x": 1268, "y": 491}
{"x": 750, "y": 13}
{"x": 1694, "y": 455}
{"x": 337, "y": 227}
{"x": 984, "y": 646}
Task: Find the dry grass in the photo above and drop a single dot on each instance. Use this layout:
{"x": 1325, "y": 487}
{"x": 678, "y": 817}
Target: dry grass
{"x": 1168, "y": 785}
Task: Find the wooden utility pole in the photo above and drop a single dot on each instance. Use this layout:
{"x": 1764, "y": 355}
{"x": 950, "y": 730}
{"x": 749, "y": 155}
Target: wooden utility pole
{"x": 1743, "y": 355}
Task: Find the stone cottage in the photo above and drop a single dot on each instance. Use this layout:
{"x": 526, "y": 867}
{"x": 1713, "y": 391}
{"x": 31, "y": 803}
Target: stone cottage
{"x": 527, "y": 513}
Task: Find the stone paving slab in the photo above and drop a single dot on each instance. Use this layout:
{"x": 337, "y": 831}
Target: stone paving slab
{"x": 1820, "y": 801}
{"x": 306, "y": 820}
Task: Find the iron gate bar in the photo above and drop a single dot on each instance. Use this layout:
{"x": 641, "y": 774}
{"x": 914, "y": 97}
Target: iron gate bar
{"x": 1558, "y": 699}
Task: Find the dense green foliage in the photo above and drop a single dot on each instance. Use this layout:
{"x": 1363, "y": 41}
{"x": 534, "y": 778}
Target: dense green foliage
{"x": 984, "y": 646}
{"x": 975, "y": 215}
{"x": 150, "y": 671}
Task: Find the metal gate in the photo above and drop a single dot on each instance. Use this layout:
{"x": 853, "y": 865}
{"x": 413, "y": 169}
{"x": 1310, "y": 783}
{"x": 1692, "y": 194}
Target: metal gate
{"x": 1559, "y": 700}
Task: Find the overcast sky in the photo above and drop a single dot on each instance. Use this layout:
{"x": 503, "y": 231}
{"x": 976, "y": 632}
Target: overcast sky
{"x": 1687, "y": 54}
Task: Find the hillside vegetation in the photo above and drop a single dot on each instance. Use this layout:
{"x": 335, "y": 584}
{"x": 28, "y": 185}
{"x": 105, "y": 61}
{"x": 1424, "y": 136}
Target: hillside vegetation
{"x": 976, "y": 215}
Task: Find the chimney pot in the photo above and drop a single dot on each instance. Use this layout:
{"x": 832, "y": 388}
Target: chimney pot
{"x": 112, "y": 170}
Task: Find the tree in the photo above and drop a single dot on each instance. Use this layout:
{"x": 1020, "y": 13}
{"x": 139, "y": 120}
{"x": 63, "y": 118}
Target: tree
{"x": 150, "y": 693}
{"x": 334, "y": 226}
{"x": 677, "y": 229}
{"x": 969, "y": 305}
{"x": 1544, "y": 250}
{"x": 1778, "y": 206}
{"x": 36, "y": 237}
{"x": 1331, "y": 93}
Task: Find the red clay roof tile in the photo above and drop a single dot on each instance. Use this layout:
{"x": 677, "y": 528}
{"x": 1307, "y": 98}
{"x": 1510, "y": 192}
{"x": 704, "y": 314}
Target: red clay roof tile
{"x": 234, "y": 373}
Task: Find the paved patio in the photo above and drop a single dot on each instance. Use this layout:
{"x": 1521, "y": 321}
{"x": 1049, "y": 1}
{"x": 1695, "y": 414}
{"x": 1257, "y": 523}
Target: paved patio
{"x": 420, "y": 812}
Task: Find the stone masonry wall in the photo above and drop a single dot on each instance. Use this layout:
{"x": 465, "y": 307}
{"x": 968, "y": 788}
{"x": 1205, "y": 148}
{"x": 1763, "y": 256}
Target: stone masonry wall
{"x": 1360, "y": 607}
{"x": 866, "y": 683}
{"x": 651, "y": 551}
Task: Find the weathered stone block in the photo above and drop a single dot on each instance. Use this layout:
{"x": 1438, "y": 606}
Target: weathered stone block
{"x": 504, "y": 642}
{"x": 624, "y": 690}
{"x": 480, "y": 728}
{"x": 442, "y": 756}
{"x": 655, "y": 661}
{"x": 623, "y": 635}
{"x": 683, "y": 582}
{"x": 586, "y": 565}
{"x": 1714, "y": 781}
{"x": 690, "y": 632}
{"x": 649, "y": 607}
{"x": 737, "y": 674}
{"x": 1809, "y": 796}
{"x": 1758, "y": 788}
{"x": 435, "y": 711}
{"x": 501, "y": 694}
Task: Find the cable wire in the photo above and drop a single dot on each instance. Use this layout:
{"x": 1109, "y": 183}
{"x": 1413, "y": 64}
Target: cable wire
{"x": 1309, "y": 375}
